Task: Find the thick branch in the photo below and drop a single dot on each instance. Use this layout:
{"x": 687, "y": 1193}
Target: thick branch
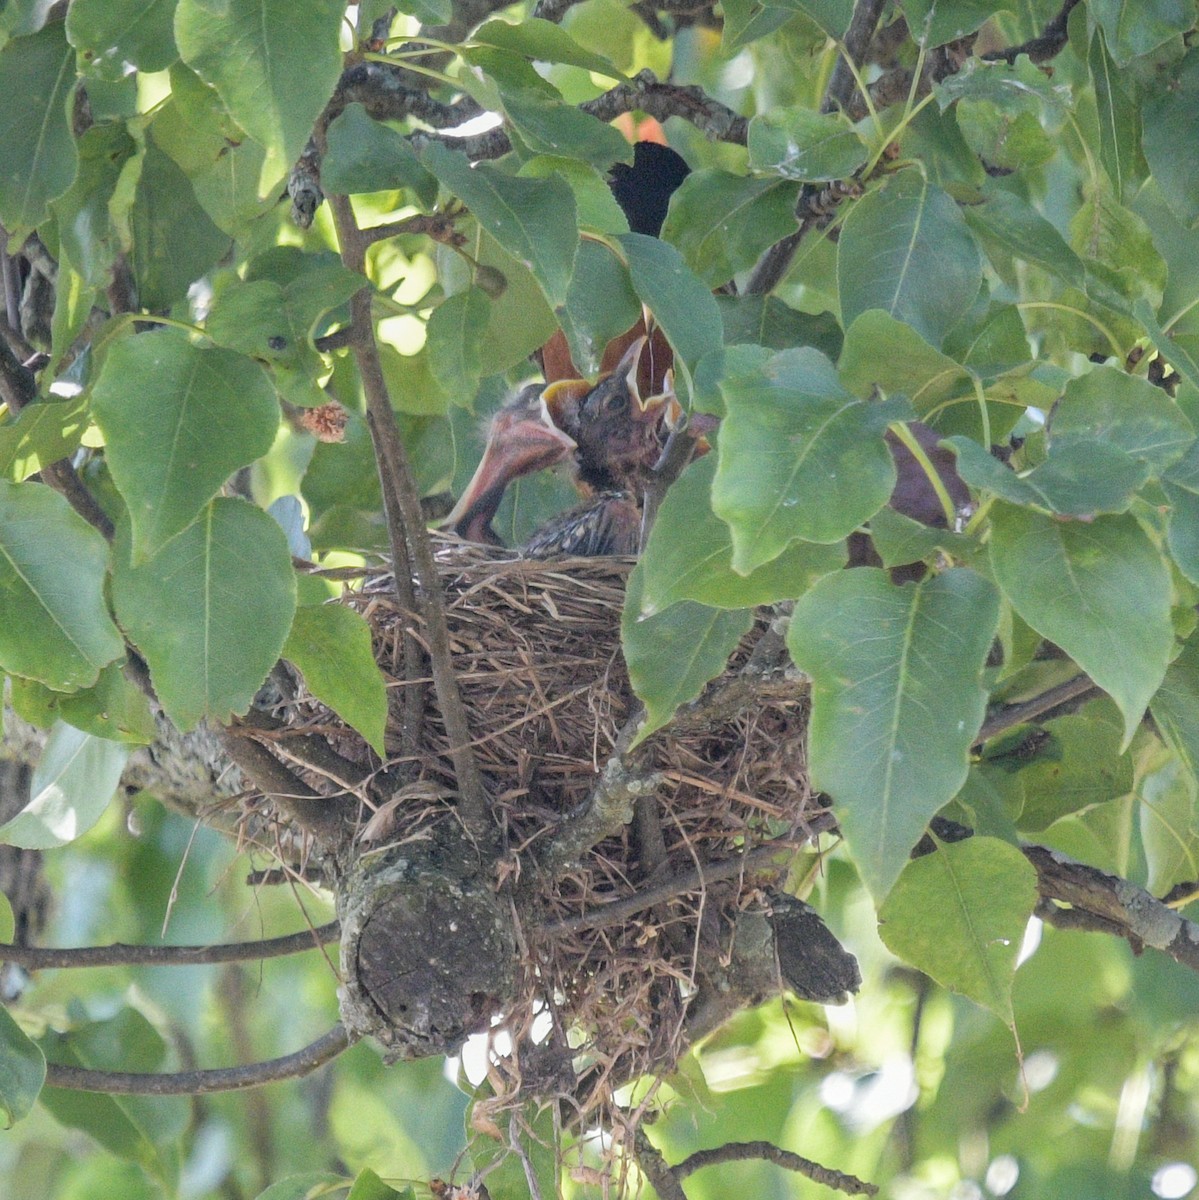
{"x": 1127, "y": 909}
{"x": 659, "y": 100}
{"x": 45, "y": 958}
{"x": 662, "y": 100}
{"x": 197, "y": 1083}
{"x": 1049, "y": 43}
{"x": 325, "y": 818}
{"x": 609, "y": 807}
{"x": 1029, "y": 710}
{"x": 851, "y": 1185}
{"x": 858, "y": 36}
{"x": 655, "y": 1168}
{"x": 188, "y": 772}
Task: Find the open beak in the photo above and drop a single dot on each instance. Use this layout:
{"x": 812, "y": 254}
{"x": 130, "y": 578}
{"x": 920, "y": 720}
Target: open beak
{"x": 522, "y": 439}
{"x": 563, "y": 402}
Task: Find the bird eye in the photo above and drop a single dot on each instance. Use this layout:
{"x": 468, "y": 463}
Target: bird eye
{"x": 617, "y": 403}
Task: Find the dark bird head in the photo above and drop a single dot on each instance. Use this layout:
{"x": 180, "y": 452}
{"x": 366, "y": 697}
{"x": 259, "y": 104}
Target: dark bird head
{"x": 521, "y": 439}
{"x": 618, "y": 433}
{"x": 643, "y": 190}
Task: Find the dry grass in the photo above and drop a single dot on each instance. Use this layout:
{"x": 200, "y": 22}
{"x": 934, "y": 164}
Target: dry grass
{"x": 537, "y": 648}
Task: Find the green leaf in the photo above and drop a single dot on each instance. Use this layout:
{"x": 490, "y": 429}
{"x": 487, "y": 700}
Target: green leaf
{"x": 899, "y": 539}
{"x": 935, "y": 22}
{"x": 806, "y": 146}
{"x": 138, "y": 1128}
{"x": 37, "y": 153}
{"x": 767, "y": 321}
{"x": 598, "y": 209}
{"x": 365, "y": 155}
{"x": 673, "y": 655}
{"x": 73, "y": 782}
{"x": 303, "y": 289}
{"x": 885, "y": 353}
{"x": 42, "y": 433}
{"x": 274, "y": 63}
{"x": 600, "y": 305}
{"x": 368, "y": 1186}
{"x": 56, "y": 627}
{"x": 533, "y": 220}
{"x": 174, "y": 241}
{"x": 1101, "y": 591}
{"x": 413, "y": 389}
{"x": 1122, "y": 262}
{"x": 905, "y": 248}
{"x": 429, "y": 12}
{"x": 22, "y": 1070}
{"x": 746, "y": 21}
{"x": 178, "y": 420}
{"x": 1119, "y": 119}
{"x": 545, "y": 42}
{"x": 113, "y": 708}
{"x": 1168, "y": 827}
{"x": 959, "y": 915}
{"x": 454, "y": 337}
{"x": 679, "y": 300}
{"x": 311, "y": 1185}
{"x": 1183, "y": 532}
{"x": 1079, "y": 479}
{"x": 1109, "y": 405}
{"x": 1086, "y": 768}
{"x": 331, "y": 645}
{"x": 548, "y": 126}
{"x": 721, "y": 223}
{"x": 88, "y": 236}
{"x": 1175, "y": 707}
{"x": 893, "y": 713}
{"x": 111, "y": 35}
{"x": 1171, "y": 140}
{"x": 690, "y": 555}
{"x": 833, "y": 16}
{"x": 1013, "y": 224}
{"x": 800, "y": 457}
{"x": 8, "y": 923}
{"x": 1135, "y": 27}
{"x": 210, "y": 611}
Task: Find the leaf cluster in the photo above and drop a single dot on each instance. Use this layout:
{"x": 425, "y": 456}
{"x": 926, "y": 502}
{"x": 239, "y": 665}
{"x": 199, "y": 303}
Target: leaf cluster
{"x": 1010, "y": 263}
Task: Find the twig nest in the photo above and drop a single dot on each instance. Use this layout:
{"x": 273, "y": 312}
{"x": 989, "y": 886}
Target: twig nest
{"x": 442, "y": 939}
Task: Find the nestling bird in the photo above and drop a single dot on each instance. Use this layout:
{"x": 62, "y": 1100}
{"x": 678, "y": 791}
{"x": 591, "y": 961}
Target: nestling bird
{"x": 619, "y": 438}
{"x": 520, "y": 440}
{"x": 612, "y": 436}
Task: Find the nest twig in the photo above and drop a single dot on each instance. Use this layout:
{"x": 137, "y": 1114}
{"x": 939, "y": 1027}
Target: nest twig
{"x": 536, "y": 648}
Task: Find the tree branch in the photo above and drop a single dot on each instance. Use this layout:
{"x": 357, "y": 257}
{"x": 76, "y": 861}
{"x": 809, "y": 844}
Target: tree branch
{"x": 198, "y": 1083}
{"x": 1124, "y": 908}
{"x": 410, "y": 542}
{"x": 1028, "y": 710}
{"x": 767, "y": 1151}
{"x": 857, "y": 40}
{"x": 324, "y": 817}
{"x": 45, "y": 958}
{"x": 655, "y": 1168}
{"x": 1046, "y": 45}
{"x": 690, "y": 880}
{"x": 659, "y": 100}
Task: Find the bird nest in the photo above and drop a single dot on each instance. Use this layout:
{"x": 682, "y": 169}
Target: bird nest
{"x": 588, "y": 967}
